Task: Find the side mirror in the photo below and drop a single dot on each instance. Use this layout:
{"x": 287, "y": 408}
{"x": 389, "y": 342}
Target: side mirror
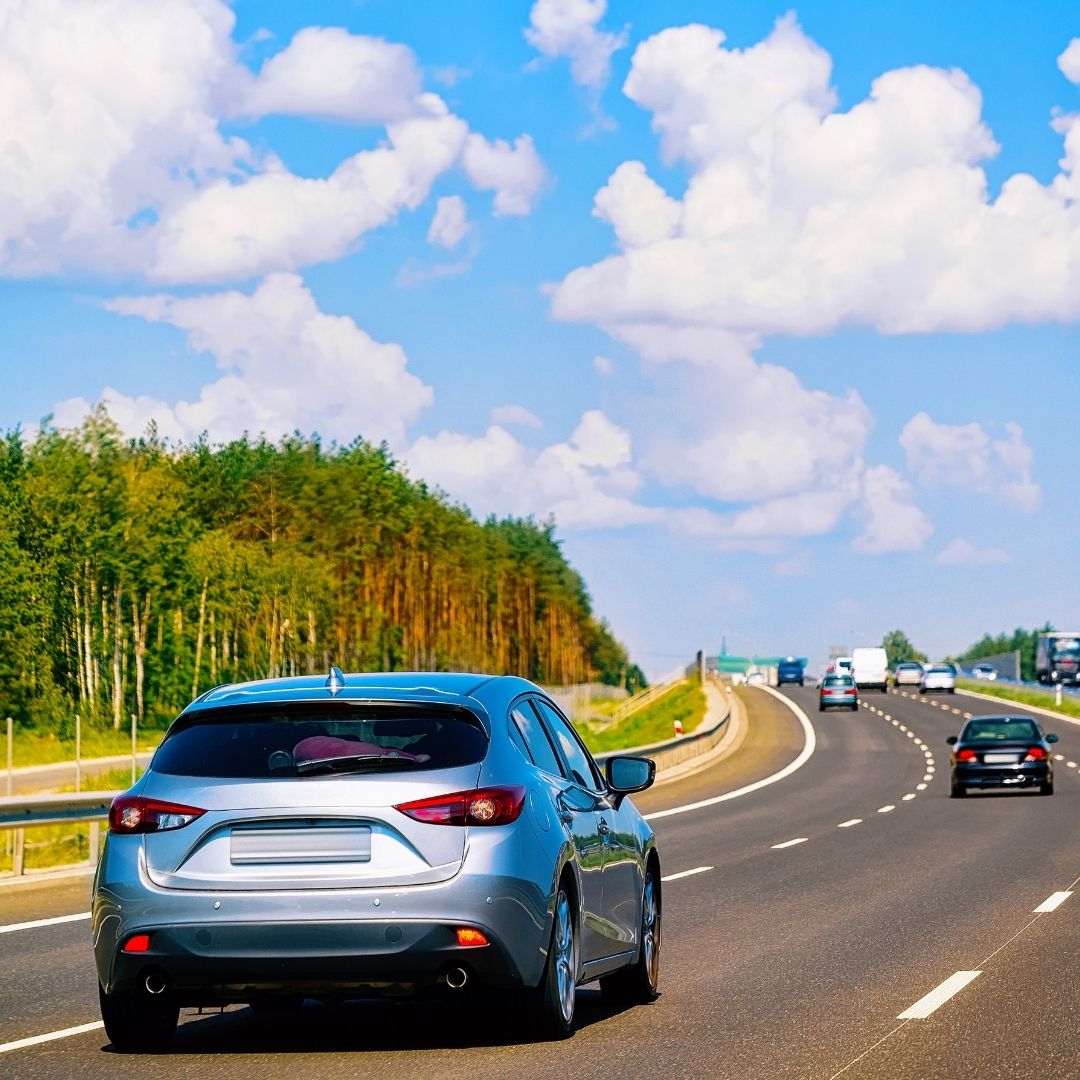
{"x": 1051, "y": 738}
{"x": 625, "y": 775}
{"x": 952, "y": 740}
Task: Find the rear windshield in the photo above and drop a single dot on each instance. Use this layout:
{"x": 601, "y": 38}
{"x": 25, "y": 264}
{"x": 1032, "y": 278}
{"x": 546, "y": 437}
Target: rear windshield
{"x": 1001, "y": 729}
{"x": 839, "y": 680}
{"x": 941, "y": 669}
{"x": 311, "y": 741}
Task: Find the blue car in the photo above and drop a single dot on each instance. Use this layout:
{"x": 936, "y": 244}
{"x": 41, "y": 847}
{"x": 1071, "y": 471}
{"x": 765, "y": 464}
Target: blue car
{"x": 791, "y": 670}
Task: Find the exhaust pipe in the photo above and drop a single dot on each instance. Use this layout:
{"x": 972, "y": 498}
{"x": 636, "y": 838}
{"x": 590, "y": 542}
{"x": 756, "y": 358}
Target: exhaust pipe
{"x": 456, "y": 978}
{"x": 155, "y": 983}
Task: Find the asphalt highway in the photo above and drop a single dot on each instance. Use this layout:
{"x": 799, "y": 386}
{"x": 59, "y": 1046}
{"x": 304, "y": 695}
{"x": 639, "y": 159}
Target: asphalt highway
{"x": 803, "y": 919}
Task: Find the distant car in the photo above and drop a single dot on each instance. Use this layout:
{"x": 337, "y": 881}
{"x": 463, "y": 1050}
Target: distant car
{"x": 790, "y": 670}
{"x": 1001, "y": 751}
{"x": 373, "y": 835}
{"x": 755, "y": 678}
{"x": 838, "y": 692}
{"x": 984, "y": 671}
{"x": 908, "y": 674}
{"x": 938, "y": 678}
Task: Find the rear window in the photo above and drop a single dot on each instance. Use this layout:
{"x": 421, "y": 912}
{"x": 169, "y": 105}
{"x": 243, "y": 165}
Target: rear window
{"x": 941, "y": 669}
{"x": 1000, "y": 729}
{"x": 310, "y": 741}
{"x": 839, "y": 680}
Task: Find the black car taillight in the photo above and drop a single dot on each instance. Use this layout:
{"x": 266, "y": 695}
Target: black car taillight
{"x": 481, "y": 806}
{"x": 135, "y": 814}
{"x": 1036, "y": 753}
{"x": 966, "y": 755}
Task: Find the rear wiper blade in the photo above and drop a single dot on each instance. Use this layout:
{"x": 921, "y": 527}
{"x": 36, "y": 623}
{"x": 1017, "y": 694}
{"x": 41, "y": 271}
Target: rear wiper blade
{"x": 351, "y": 763}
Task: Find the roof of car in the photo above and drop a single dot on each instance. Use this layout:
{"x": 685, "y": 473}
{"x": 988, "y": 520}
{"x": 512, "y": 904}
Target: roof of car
{"x": 429, "y": 686}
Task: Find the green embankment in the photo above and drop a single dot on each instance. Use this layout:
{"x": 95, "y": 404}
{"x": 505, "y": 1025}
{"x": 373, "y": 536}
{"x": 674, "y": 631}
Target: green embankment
{"x": 1068, "y": 707}
{"x": 33, "y": 748}
{"x": 653, "y": 723}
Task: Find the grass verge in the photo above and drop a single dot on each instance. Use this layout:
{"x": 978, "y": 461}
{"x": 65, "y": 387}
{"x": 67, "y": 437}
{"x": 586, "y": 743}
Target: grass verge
{"x": 31, "y": 748}
{"x": 655, "y": 722}
{"x": 1068, "y": 706}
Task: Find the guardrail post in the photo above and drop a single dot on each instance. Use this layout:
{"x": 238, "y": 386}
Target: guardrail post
{"x": 10, "y": 755}
{"x": 78, "y": 753}
{"x": 94, "y": 842}
{"x": 134, "y": 756}
{"x": 18, "y": 857}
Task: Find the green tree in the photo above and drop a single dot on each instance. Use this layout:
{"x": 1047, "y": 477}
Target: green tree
{"x": 899, "y": 649}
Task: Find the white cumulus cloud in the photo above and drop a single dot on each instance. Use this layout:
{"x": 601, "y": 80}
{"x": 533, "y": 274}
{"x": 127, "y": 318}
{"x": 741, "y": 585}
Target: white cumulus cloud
{"x": 798, "y": 218}
{"x": 286, "y": 366}
{"x": 966, "y": 456}
{"x": 961, "y": 552}
{"x": 113, "y": 155}
{"x": 588, "y": 481}
{"x": 450, "y": 225}
{"x": 1069, "y": 61}
{"x": 892, "y": 520}
{"x": 570, "y": 28}
{"x": 514, "y": 172}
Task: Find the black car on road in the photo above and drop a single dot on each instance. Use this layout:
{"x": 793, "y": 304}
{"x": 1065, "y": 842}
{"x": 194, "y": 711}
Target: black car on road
{"x": 1001, "y": 751}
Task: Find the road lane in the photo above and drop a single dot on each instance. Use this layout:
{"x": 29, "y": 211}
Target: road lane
{"x": 777, "y": 963}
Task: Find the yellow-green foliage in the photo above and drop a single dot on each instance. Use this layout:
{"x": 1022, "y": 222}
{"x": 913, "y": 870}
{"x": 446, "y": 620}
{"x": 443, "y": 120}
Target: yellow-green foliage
{"x": 1069, "y": 706}
{"x": 655, "y": 722}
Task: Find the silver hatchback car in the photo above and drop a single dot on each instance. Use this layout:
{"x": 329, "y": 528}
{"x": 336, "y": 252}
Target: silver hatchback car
{"x": 370, "y": 835}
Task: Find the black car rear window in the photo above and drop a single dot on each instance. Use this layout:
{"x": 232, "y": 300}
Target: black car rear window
{"x": 310, "y": 741}
{"x": 1000, "y": 729}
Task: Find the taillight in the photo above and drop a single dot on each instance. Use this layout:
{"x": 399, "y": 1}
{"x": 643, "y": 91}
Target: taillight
{"x": 966, "y": 755}
{"x": 1036, "y": 753}
{"x": 137, "y": 944}
{"x": 468, "y": 938}
{"x": 134, "y": 814}
{"x": 850, "y": 693}
{"x": 481, "y": 806}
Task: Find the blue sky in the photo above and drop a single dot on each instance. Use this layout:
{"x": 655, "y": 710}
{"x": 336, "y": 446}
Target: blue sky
{"x": 774, "y": 309}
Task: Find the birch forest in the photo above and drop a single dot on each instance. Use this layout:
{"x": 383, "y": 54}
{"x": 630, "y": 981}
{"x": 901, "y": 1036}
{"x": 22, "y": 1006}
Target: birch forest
{"x": 136, "y": 574}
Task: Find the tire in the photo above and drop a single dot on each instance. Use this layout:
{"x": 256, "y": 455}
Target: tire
{"x": 1047, "y": 788}
{"x": 555, "y": 998}
{"x": 138, "y": 1023}
{"x": 640, "y": 982}
{"x": 957, "y": 791}
{"x": 821, "y": 708}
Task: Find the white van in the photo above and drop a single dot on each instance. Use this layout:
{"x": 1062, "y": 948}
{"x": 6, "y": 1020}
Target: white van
{"x": 870, "y": 668}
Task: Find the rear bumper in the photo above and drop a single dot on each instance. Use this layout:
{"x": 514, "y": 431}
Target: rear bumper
{"x": 1037, "y": 772}
{"x": 240, "y": 961}
{"x": 838, "y": 703}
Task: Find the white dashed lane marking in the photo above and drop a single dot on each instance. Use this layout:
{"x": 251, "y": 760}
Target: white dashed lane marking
{"x": 791, "y": 843}
{"x": 939, "y": 995}
{"x": 1053, "y": 902}
{"x": 851, "y": 821}
{"x": 687, "y": 873}
{"x": 886, "y": 809}
{"x": 10, "y": 928}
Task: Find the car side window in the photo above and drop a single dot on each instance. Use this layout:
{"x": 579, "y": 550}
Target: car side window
{"x": 582, "y": 769}
{"x": 533, "y": 740}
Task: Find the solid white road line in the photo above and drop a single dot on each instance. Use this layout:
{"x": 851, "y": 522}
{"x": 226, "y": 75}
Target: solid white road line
{"x": 10, "y": 928}
{"x": 687, "y": 873}
{"x": 35, "y": 1040}
{"x": 937, "y": 997}
{"x": 1053, "y": 902}
{"x": 804, "y": 755}
{"x": 791, "y": 843}
{"x": 849, "y": 823}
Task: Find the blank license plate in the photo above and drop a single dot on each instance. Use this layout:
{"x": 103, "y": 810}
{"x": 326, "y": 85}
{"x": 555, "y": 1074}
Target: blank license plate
{"x": 1001, "y": 759}
{"x": 328, "y": 845}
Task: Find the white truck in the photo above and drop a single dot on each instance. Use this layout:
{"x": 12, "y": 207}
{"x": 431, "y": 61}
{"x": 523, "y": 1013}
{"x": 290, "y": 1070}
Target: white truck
{"x": 870, "y": 668}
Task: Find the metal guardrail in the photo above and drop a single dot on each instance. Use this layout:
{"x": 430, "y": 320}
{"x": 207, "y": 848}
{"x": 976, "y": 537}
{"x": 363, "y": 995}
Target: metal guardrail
{"x": 646, "y": 697}
{"x": 19, "y": 811}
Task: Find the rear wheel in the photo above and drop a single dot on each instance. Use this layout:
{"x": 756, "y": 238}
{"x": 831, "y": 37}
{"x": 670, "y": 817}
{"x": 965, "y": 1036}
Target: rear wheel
{"x": 138, "y": 1023}
{"x": 640, "y": 982}
{"x": 556, "y": 996}
{"x": 1047, "y": 788}
{"x": 957, "y": 791}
